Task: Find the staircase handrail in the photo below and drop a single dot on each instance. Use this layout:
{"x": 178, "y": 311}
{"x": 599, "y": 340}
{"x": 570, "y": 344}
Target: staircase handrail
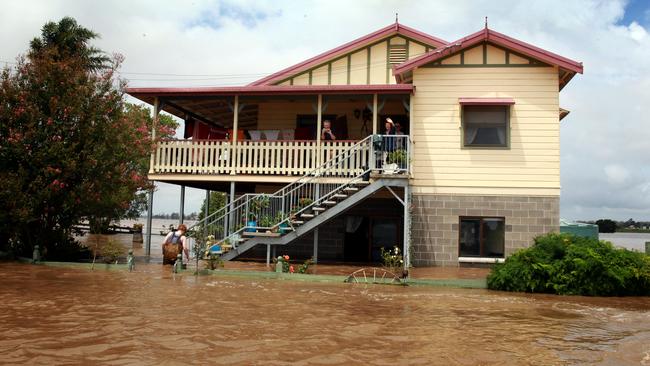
{"x": 280, "y": 212}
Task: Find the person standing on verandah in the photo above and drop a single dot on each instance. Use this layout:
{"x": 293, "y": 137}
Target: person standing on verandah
{"x": 389, "y": 139}
{"x": 327, "y": 134}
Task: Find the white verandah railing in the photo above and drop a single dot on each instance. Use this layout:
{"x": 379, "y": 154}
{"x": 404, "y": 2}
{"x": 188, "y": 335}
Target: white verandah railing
{"x": 249, "y": 157}
{"x": 261, "y": 211}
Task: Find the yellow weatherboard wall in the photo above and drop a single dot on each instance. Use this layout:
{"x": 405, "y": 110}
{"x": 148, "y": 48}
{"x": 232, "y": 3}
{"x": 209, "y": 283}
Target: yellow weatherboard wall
{"x": 356, "y": 67}
{"x": 531, "y": 164}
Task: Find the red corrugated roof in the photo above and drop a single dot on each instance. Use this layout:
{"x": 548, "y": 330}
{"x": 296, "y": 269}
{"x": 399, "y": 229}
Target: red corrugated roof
{"x": 275, "y": 90}
{"x": 488, "y": 35}
{"x": 395, "y": 28}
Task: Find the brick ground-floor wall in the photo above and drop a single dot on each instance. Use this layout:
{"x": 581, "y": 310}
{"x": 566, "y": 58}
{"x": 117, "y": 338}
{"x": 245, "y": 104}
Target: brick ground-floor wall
{"x": 435, "y": 223}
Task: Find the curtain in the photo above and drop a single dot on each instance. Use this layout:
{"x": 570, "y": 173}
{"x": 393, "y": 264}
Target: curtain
{"x": 352, "y": 223}
{"x": 501, "y": 132}
{"x": 470, "y": 134}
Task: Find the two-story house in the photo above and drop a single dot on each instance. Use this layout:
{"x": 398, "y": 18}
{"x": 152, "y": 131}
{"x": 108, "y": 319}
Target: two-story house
{"x": 471, "y": 173}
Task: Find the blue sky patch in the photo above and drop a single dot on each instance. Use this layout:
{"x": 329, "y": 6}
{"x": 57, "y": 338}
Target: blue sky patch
{"x": 213, "y": 18}
{"x": 637, "y": 11}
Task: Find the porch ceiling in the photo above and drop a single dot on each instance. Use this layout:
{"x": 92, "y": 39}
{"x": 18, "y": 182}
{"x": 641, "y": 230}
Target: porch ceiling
{"x": 213, "y": 105}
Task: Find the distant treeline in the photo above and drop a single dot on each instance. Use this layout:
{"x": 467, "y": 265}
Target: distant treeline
{"x": 175, "y": 216}
{"x": 611, "y": 226}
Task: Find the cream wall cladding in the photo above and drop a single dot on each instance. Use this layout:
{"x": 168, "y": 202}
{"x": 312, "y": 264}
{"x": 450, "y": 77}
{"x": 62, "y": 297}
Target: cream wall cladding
{"x": 366, "y": 65}
{"x": 531, "y": 163}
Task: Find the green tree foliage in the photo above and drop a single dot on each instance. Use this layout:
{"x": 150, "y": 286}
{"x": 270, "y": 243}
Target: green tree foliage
{"x": 606, "y": 226}
{"x": 217, "y": 201}
{"x": 71, "y": 148}
{"x": 569, "y": 265}
{"x": 66, "y": 40}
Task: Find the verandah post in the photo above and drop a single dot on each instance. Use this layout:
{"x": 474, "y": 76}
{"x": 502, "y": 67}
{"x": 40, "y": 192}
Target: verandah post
{"x": 156, "y": 113}
{"x": 407, "y": 228}
{"x": 154, "y": 125}
{"x": 319, "y": 121}
{"x": 235, "y": 122}
{"x": 147, "y": 242}
{"x": 231, "y": 220}
{"x": 181, "y": 214}
{"x": 374, "y": 114}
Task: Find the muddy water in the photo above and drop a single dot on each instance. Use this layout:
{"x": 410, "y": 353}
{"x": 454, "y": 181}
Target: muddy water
{"x": 75, "y": 316}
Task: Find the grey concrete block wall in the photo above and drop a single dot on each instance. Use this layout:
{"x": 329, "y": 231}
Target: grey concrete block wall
{"x": 435, "y": 221}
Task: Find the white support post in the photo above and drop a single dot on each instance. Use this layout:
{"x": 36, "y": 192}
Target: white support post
{"x": 315, "y": 246}
{"x": 374, "y": 114}
{"x": 268, "y": 255}
{"x": 207, "y": 204}
{"x": 231, "y": 219}
{"x": 235, "y": 122}
{"x": 181, "y": 214}
{"x": 147, "y": 242}
{"x": 409, "y": 152}
{"x": 407, "y": 229}
{"x": 154, "y": 125}
{"x": 319, "y": 127}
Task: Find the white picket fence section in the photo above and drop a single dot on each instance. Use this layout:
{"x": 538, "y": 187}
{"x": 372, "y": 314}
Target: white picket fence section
{"x": 250, "y": 157}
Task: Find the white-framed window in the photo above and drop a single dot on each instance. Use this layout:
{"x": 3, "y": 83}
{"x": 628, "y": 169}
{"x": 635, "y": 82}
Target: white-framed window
{"x": 486, "y": 125}
{"x": 481, "y": 237}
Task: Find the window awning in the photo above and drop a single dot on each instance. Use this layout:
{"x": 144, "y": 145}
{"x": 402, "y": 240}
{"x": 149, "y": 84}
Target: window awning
{"x": 486, "y": 101}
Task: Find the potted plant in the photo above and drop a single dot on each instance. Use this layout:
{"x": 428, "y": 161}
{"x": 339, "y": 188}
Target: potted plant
{"x": 304, "y": 202}
{"x": 251, "y": 223}
{"x": 256, "y": 206}
{"x": 266, "y": 222}
{"x": 396, "y": 160}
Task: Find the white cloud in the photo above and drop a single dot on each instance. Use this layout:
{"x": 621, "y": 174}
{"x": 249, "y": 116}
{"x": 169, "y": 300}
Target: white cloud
{"x": 241, "y": 41}
{"x": 616, "y": 174}
{"x": 637, "y": 32}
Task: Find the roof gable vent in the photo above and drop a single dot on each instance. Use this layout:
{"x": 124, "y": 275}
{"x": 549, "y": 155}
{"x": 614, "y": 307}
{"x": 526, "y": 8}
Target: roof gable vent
{"x": 396, "y": 54}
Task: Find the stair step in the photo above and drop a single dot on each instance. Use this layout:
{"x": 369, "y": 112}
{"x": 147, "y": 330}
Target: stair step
{"x": 350, "y": 189}
{"x": 296, "y": 222}
{"x": 265, "y": 235}
{"x": 306, "y": 215}
{"x": 329, "y": 203}
{"x": 361, "y": 183}
{"x": 340, "y": 195}
{"x": 318, "y": 209}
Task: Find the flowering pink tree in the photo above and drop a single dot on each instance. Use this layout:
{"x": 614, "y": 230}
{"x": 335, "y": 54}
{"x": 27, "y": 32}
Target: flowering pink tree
{"x": 71, "y": 148}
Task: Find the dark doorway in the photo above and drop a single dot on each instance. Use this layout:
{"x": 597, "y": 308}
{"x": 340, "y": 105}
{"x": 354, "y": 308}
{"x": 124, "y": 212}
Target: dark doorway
{"x": 355, "y": 248}
{"x": 384, "y": 235}
{"x": 364, "y": 237}
{"x": 307, "y": 124}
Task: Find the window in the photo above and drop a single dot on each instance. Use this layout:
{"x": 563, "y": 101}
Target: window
{"x": 481, "y": 237}
{"x": 485, "y": 125}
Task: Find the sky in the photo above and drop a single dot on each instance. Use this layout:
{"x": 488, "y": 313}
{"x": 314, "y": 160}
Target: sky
{"x": 605, "y": 141}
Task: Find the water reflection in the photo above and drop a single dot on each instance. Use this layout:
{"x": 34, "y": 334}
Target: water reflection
{"x": 53, "y": 316}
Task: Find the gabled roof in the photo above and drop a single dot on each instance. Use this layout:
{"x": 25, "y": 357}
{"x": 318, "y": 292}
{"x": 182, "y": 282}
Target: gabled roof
{"x": 488, "y": 35}
{"x": 393, "y": 29}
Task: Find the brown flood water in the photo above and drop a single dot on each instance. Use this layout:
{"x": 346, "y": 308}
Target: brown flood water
{"x": 151, "y": 317}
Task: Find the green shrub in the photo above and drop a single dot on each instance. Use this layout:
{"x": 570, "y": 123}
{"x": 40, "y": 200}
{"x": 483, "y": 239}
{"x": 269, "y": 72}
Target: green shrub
{"x": 570, "y": 265}
{"x": 112, "y": 251}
